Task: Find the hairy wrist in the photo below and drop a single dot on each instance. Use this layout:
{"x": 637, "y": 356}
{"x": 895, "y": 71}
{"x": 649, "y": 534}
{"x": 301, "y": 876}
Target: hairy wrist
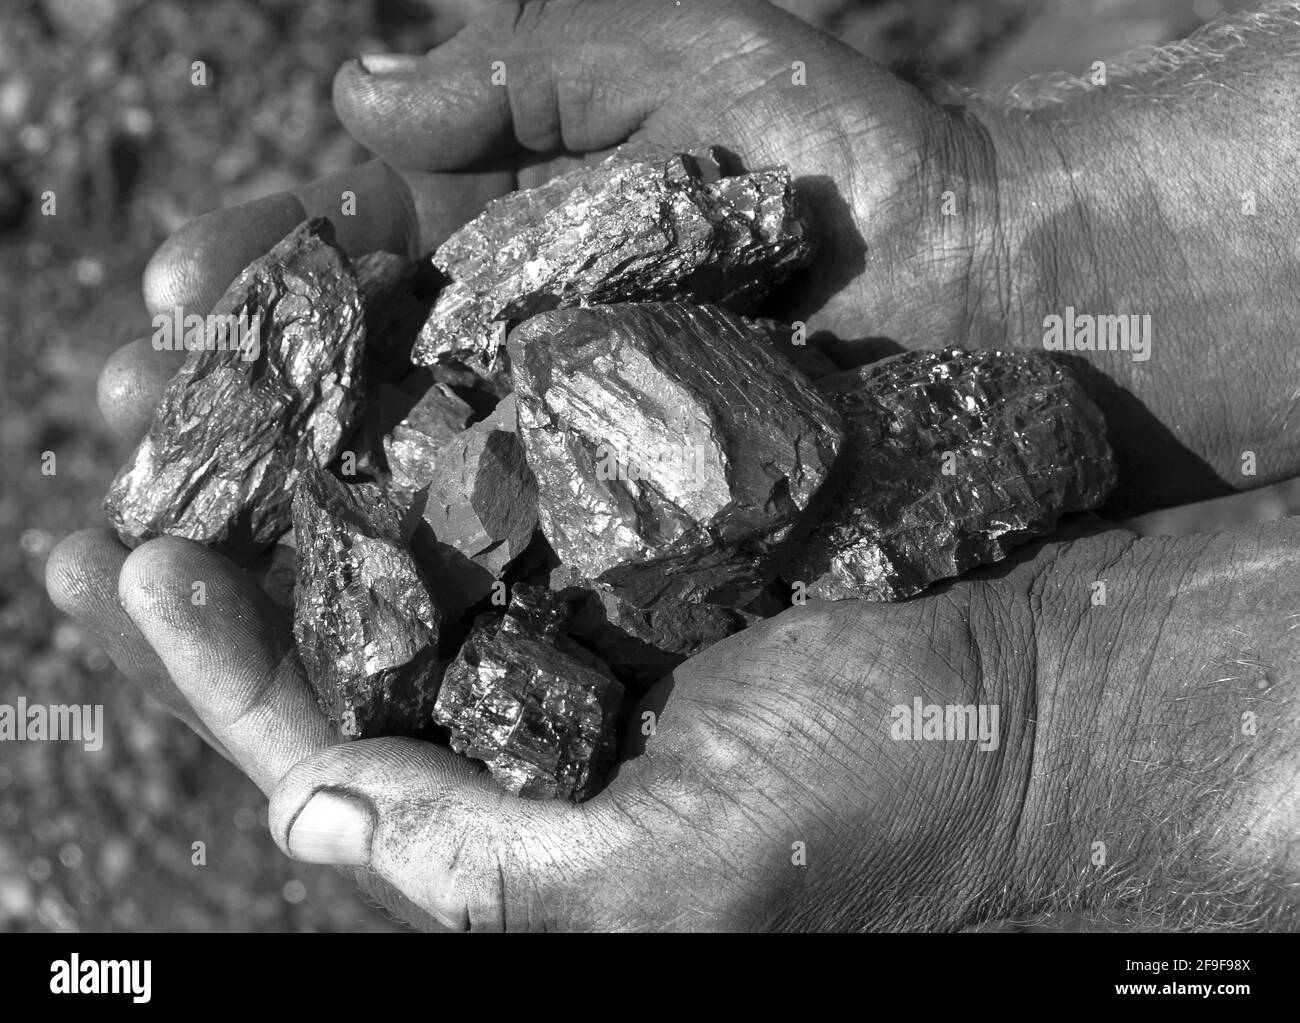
{"x": 1164, "y": 767}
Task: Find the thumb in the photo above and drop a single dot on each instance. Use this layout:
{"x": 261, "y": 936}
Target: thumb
{"x": 580, "y": 76}
{"x": 229, "y": 650}
{"x": 438, "y": 830}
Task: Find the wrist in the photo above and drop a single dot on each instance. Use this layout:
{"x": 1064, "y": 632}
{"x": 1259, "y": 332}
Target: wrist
{"x": 1129, "y": 243}
{"x": 1087, "y": 267}
{"x": 1164, "y": 773}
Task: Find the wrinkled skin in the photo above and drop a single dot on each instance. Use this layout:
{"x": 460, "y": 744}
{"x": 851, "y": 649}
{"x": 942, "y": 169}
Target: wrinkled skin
{"x": 1120, "y": 721}
{"x": 782, "y": 735}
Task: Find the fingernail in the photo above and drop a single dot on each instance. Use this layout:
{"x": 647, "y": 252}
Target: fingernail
{"x": 334, "y": 827}
{"x": 389, "y": 63}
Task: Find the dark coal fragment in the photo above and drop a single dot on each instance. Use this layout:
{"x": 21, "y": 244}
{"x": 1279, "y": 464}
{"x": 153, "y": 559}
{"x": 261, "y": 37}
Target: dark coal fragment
{"x": 405, "y": 422}
{"x": 397, "y": 295}
{"x": 794, "y": 346}
{"x": 539, "y": 710}
{"x": 663, "y": 430}
{"x": 639, "y": 644}
{"x": 642, "y": 645}
{"x": 723, "y": 576}
{"x": 644, "y": 224}
{"x": 482, "y": 501}
{"x": 273, "y": 392}
{"x": 366, "y": 627}
{"x": 277, "y": 571}
{"x": 951, "y": 459}
{"x": 537, "y": 611}
{"x": 412, "y": 447}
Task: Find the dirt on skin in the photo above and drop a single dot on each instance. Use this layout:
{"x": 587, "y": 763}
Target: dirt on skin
{"x": 108, "y": 143}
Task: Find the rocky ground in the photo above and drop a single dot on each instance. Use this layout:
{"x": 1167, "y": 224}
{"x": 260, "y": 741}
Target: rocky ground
{"x": 97, "y": 106}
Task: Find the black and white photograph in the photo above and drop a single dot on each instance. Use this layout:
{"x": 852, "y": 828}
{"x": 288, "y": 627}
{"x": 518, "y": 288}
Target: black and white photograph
{"x": 662, "y": 466}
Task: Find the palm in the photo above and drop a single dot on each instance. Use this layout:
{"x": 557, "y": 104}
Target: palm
{"x": 773, "y": 762}
{"x": 769, "y": 791}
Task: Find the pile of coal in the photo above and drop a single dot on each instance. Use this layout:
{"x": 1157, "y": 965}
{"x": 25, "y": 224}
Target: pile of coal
{"x": 527, "y": 480}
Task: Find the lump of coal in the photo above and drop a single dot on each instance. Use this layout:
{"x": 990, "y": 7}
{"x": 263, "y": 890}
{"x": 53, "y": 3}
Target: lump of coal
{"x": 277, "y": 571}
{"x": 482, "y": 501}
{"x": 272, "y": 392}
{"x": 951, "y": 459}
{"x": 412, "y": 447}
{"x": 715, "y": 575}
{"x": 642, "y": 645}
{"x": 641, "y": 225}
{"x": 793, "y": 345}
{"x": 661, "y": 430}
{"x": 366, "y": 627}
{"x": 539, "y": 612}
{"x": 539, "y": 710}
{"x": 404, "y": 423}
{"x": 396, "y": 294}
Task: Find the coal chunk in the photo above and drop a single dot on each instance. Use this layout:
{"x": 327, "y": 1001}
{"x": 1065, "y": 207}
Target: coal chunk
{"x": 794, "y": 345}
{"x": 642, "y": 645}
{"x": 277, "y": 571}
{"x": 272, "y": 392}
{"x": 411, "y": 448}
{"x": 397, "y": 295}
{"x": 951, "y": 458}
{"x": 539, "y": 710}
{"x": 365, "y": 625}
{"x": 540, "y": 612}
{"x": 725, "y": 576}
{"x": 663, "y": 430}
{"x": 644, "y": 224}
{"x": 482, "y": 500}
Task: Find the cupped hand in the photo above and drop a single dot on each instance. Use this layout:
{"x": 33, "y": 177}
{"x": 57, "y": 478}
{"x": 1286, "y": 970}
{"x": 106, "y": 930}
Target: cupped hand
{"x": 871, "y": 157}
{"x": 773, "y": 747}
{"x": 954, "y": 223}
{"x": 1141, "y": 759}
{"x": 580, "y": 78}
{"x": 768, "y": 794}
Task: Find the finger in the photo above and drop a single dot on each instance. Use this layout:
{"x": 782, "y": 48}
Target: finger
{"x": 580, "y": 76}
{"x": 130, "y": 385}
{"x": 230, "y": 654}
{"x": 197, "y": 263}
{"x": 81, "y": 578}
{"x": 575, "y": 76}
{"x": 407, "y": 213}
{"x": 372, "y": 207}
{"x": 434, "y": 826}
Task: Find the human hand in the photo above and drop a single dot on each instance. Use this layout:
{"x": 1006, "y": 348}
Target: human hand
{"x": 410, "y": 210}
{"x": 863, "y": 146}
{"x": 969, "y": 222}
{"x": 964, "y": 223}
{"x": 773, "y": 792}
{"x": 410, "y": 204}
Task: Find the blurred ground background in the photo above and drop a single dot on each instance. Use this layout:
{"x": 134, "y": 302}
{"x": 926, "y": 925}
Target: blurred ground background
{"x": 96, "y": 105}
